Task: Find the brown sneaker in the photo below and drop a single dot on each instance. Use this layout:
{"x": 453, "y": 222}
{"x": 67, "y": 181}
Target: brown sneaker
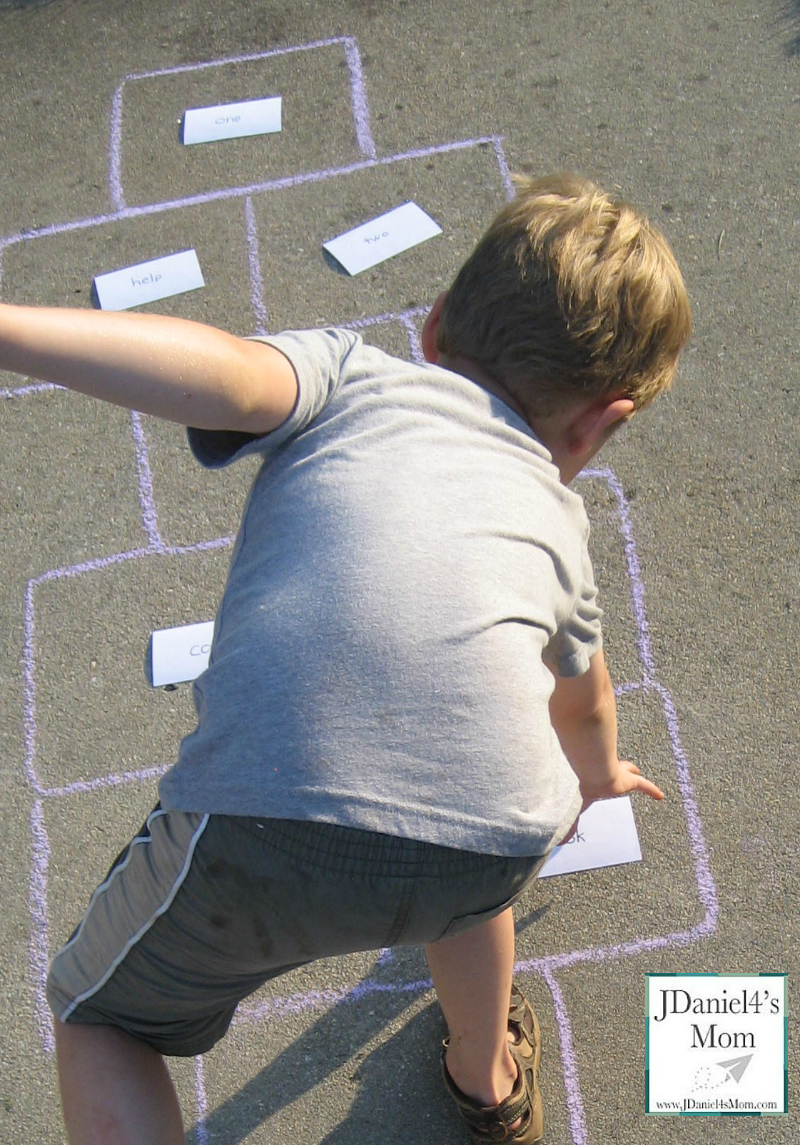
{"x": 491, "y": 1123}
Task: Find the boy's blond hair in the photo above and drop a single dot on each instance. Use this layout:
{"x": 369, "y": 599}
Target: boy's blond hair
{"x": 569, "y": 294}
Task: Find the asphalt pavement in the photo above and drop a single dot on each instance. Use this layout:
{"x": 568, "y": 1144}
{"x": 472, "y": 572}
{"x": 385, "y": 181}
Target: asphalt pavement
{"x": 111, "y": 531}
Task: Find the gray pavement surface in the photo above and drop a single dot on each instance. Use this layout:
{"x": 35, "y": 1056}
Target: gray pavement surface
{"x": 690, "y": 110}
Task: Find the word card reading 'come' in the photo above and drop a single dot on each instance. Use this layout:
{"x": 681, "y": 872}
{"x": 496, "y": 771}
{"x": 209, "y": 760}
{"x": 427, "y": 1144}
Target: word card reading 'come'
{"x": 232, "y": 120}
{"x": 180, "y": 654}
{"x": 382, "y": 238}
{"x": 149, "y": 281}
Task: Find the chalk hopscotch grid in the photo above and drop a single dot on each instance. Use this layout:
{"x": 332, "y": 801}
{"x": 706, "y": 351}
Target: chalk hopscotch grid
{"x": 276, "y": 1007}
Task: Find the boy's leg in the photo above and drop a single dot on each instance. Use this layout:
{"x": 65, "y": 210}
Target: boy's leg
{"x": 114, "y": 1088}
{"x": 472, "y": 975}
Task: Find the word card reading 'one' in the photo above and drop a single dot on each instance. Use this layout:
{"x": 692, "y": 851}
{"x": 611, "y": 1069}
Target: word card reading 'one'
{"x": 232, "y": 120}
{"x": 382, "y": 238}
{"x": 606, "y": 836}
{"x": 149, "y": 281}
{"x": 180, "y": 654}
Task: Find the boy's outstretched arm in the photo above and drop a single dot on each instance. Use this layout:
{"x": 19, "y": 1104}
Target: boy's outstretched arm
{"x": 583, "y": 711}
{"x": 175, "y": 369}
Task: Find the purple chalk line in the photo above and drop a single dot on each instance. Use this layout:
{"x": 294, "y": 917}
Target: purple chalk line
{"x": 254, "y": 263}
{"x": 414, "y": 342}
{"x": 39, "y": 941}
{"x": 358, "y": 96}
{"x": 115, "y": 151}
{"x": 251, "y": 189}
{"x": 327, "y": 999}
{"x": 623, "y": 515}
{"x": 201, "y": 1099}
{"x": 82, "y": 786}
{"x": 569, "y": 1064}
{"x": 24, "y": 391}
{"x": 505, "y": 171}
{"x": 145, "y": 481}
{"x": 376, "y": 320}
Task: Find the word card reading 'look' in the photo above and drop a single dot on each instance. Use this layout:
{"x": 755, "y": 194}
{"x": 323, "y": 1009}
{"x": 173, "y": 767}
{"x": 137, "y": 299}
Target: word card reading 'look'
{"x": 382, "y": 238}
{"x": 232, "y": 120}
{"x": 149, "y": 281}
{"x": 606, "y": 836}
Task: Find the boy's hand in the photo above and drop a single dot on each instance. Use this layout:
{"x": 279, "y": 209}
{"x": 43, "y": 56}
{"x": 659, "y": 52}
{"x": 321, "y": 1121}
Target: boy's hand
{"x": 583, "y": 712}
{"x": 628, "y": 778}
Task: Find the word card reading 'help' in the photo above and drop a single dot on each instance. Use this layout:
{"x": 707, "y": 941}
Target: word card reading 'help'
{"x": 606, "y": 836}
{"x": 181, "y": 654}
{"x": 232, "y": 120}
{"x": 149, "y": 281}
{"x": 382, "y": 238}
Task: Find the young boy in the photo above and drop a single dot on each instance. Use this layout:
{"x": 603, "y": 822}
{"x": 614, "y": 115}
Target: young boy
{"x": 406, "y": 703}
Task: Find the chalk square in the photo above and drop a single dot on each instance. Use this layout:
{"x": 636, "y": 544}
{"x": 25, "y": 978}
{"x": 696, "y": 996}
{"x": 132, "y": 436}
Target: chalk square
{"x": 149, "y": 281}
{"x": 231, "y": 120}
{"x": 657, "y": 896}
{"x": 379, "y": 239}
{"x": 64, "y": 499}
{"x": 192, "y": 503}
{"x": 320, "y": 128}
{"x": 462, "y": 189}
{"x": 90, "y": 635}
{"x": 606, "y": 836}
{"x": 180, "y": 654}
{"x": 59, "y": 269}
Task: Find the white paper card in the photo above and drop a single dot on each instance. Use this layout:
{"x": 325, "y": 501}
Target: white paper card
{"x": 232, "y": 120}
{"x": 382, "y": 238}
{"x": 181, "y": 654}
{"x": 149, "y": 281}
{"x": 606, "y": 836}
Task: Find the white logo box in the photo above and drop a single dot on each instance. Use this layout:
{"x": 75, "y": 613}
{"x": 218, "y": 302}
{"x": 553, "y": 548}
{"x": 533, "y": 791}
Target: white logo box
{"x": 716, "y": 1044}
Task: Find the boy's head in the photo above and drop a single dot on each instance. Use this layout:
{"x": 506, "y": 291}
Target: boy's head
{"x": 570, "y": 295}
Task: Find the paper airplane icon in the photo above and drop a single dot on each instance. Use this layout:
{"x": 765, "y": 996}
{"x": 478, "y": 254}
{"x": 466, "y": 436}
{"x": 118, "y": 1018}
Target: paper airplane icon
{"x": 736, "y": 1066}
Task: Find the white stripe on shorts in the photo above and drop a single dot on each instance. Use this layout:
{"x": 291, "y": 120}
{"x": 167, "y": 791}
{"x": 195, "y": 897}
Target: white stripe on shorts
{"x": 165, "y": 905}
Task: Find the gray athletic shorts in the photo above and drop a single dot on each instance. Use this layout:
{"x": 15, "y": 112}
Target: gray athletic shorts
{"x": 200, "y": 910}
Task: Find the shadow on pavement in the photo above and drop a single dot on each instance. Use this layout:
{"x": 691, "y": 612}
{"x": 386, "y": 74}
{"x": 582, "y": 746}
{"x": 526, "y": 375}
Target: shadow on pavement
{"x": 335, "y": 1042}
{"x": 791, "y": 14}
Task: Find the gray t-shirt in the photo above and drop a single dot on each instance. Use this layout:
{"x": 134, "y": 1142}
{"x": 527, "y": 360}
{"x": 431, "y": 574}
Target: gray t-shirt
{"x": 407, "y": 560}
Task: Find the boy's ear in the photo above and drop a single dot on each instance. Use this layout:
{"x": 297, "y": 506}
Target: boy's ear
{"x": 593, "y": 426}
{"x": 430, "y": 330}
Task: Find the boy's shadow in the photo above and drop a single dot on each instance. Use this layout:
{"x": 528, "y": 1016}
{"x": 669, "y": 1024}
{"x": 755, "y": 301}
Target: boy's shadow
{"x": 407, "y": 1064}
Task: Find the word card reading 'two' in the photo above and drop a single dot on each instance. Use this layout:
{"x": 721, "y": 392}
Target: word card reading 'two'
{"x": 382, "y": 238}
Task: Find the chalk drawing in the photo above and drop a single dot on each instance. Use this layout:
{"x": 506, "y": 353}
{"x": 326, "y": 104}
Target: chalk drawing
{"x": 275, "y": 1006}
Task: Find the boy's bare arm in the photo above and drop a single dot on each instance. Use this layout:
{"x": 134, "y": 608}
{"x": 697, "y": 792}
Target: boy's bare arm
{"x": 583, "y": 712}
{"x": 175, "y": 369}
